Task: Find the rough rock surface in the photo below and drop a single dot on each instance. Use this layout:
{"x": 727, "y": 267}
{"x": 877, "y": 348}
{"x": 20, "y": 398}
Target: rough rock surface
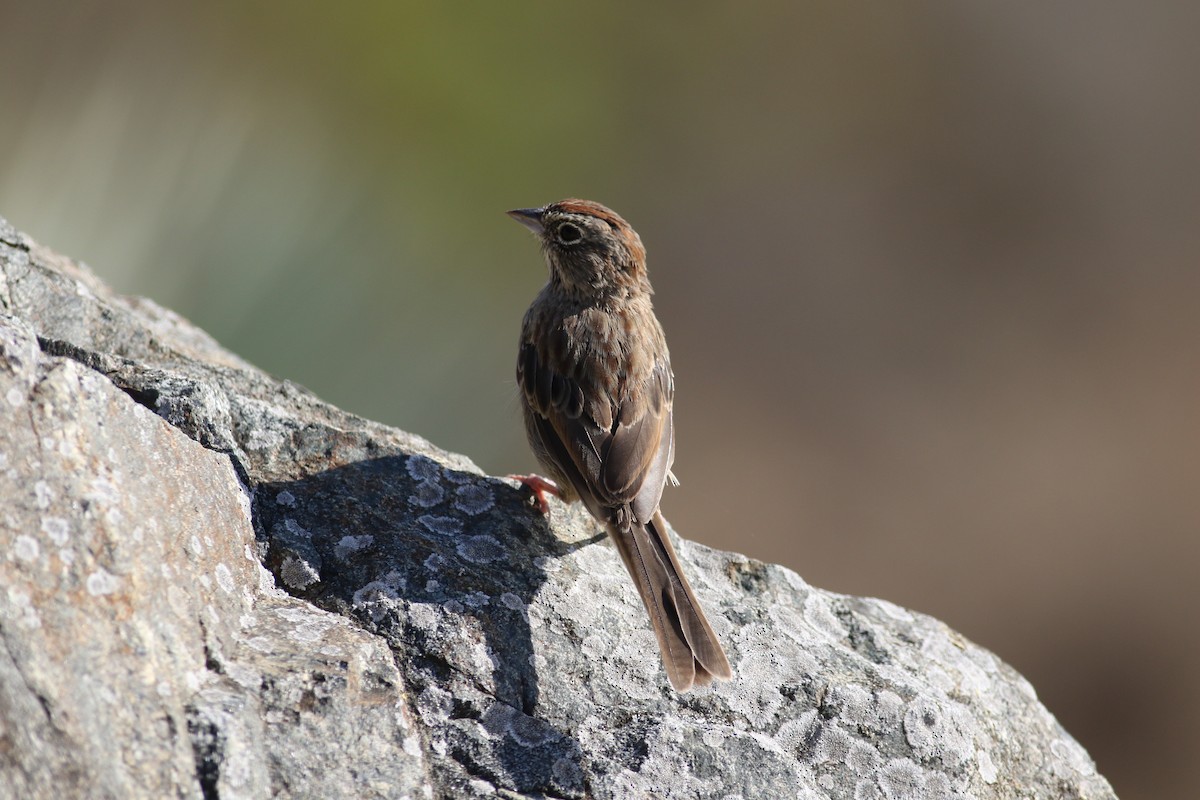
{"x": 213, "y": 585}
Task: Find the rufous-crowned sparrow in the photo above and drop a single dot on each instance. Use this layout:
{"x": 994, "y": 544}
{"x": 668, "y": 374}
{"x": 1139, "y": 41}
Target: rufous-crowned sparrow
{"x": 596, "y": 389}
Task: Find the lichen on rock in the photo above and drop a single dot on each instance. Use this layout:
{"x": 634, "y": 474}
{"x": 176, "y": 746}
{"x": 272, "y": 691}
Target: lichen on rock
{"x": 215, "y": 585}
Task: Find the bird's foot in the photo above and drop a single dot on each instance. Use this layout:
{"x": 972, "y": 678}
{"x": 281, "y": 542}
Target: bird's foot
{"x": 540, "y": 487}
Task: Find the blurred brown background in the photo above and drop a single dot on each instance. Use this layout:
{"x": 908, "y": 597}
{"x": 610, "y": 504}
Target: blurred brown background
{"x": 929, "y": 271}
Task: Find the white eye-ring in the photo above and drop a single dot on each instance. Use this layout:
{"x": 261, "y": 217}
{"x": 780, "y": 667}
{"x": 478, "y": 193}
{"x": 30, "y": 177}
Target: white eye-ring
{"x": 568, "y": 233}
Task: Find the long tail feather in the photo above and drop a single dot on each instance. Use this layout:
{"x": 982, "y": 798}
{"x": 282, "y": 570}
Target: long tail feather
{"x": 691, "y": 653}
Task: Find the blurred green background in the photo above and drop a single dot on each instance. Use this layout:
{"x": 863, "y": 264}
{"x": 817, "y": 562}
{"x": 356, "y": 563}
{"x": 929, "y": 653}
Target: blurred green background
{"x": 929, "y": 271}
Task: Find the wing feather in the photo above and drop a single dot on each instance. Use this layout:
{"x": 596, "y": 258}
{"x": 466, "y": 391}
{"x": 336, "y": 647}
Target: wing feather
{"x": 622, "y": 463}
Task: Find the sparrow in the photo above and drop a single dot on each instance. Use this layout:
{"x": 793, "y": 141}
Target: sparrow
{"x": 596, "y": 390}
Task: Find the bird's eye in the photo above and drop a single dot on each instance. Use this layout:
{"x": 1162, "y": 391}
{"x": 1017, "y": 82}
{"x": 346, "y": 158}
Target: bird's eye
{"x": 568, "y": 233}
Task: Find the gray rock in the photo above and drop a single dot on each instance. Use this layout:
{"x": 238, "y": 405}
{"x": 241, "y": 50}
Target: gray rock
{"x": 212, "y": 584}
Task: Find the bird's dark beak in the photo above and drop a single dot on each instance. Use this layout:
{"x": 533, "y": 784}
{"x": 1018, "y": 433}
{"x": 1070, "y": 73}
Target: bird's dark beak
{"x": 529, "y": 217}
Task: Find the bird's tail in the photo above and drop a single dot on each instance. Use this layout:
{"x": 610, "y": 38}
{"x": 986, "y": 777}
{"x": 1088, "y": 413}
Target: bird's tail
{"x": 691, "y": 653}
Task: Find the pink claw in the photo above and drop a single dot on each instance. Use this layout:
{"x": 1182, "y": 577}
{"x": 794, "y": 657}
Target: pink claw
{"x": 540, "y": 487}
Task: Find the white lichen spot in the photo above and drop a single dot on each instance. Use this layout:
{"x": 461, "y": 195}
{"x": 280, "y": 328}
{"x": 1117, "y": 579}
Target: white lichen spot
{"x": 593, "y": 646}
{"x": 348, "y": 545}
{"x": 164, "y": 689}
{"x": 15, "y": 397}
{"x": 902, "y": 780}
{"x": 937, "y": 785}
{"x": 102, "y": 582}
{"x": 818, "y": 613}
{"x": 421, "y": 468}
{"x": 138, "y": 534}
{"x": 298, "y": 573}
{"x": 833, "y": 745}
{"x": 446, "y": 526}
{"x": 427, "y": 494}
{"x": 431, "y": 586}
{"x": 474, "y": 498}
{"x": 373, "y": 593}
{"x": 67, "y": 557}
{"x": 481, "y": 549}
{"x": 795, "y": 736}
{"x": 195, "y": 546}
{"x": 528, "y": 731}
{"x": 311, "y": 630}
{"x": 889, "y": 709}
{"x": 193, "y": 679}
{"x": 457, "y": 478}
{"x": 987, "y": 767}
{"x": 25, "y": 615}
{"x": 380, "y": 590}
{"x": 285, "y": 499}
{"x": 867, "y": 790}
{"x": 434, "y": 706}
{"x": 536, "y": 617}
{"x": 939, "y": 729}
{"x": 436, "y": 562}
{"x": 44, "y": 494}
{"x": 713, "y": 738}
{"x": 296, "y": 529}
{"x": 852, "y": 704}
{"x": 515, "y": 603}
{"x": 476, "y": 599}
{"x": 453, "y": 606}
{"x": 262, "y": 644}
{"x": 26, "y": 548}
{"x": 495, "y": 719}
{"x": 113, "y": 516}
{"x": 224, "y": 578}
{"x": 862, "y": 759}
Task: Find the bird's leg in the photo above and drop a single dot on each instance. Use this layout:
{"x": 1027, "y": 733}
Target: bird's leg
{"x": 540, "y": 487}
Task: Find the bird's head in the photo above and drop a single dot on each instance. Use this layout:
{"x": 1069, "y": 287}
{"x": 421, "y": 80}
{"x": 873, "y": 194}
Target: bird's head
{"x": 590, "y": 250}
